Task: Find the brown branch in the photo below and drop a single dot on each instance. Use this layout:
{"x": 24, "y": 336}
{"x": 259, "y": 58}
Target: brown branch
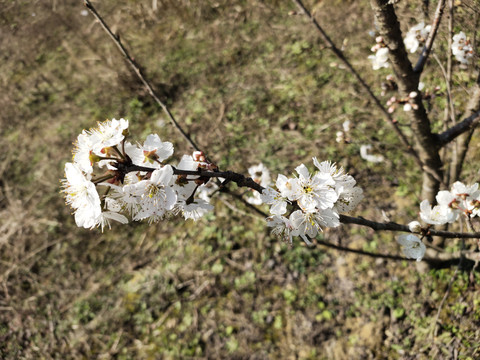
{"x": 387, "y": 115}
{"x": 136, "y": 68}
{"x": 431, "y": 38}
{"x": 362, "y": 82}
{"x": 465, "y": 125}
{"x": 229, "y": 176}
{"x": 391, "y": 226}
{"x": 243, "y": 181}
{"x": 407, "y": 79}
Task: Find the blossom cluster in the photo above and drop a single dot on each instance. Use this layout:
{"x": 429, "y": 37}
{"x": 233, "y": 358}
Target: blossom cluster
{"x": 316, "y": 200}
{"x": 461, "y": 48}
{"x": 380, "y": 59}
{"x": 460, "y": 199}
{"x": 135, "y": 179}
{"x": 138, "y": 183}
{"x": 416, "y": 36}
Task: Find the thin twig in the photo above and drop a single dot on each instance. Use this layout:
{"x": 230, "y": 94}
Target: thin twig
{"x": 354, "y": 72}
{"x": 431, "y": 38}
{"x": 449, "y": 58}
{"x": 450, "y": 105}
{"x": 362, "y": 252}
{"x": 136, "y": 68}
{"x": 450, "y": 108}
{"x": 391, "y": 226}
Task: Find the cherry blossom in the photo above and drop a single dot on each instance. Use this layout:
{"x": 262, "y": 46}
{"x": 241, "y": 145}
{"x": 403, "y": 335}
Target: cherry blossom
{"x": 461, "y": 48}
{"x": 412, "y": 246}
{"x": 416, "y": 36}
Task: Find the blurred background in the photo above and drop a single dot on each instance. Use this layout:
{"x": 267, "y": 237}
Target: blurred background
{"x": 251, "y": 82}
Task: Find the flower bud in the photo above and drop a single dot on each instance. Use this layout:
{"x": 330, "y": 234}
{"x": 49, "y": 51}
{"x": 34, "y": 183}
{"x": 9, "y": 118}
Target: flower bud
{"x": 198, "y": 156}
{"x": 415, "y": 227}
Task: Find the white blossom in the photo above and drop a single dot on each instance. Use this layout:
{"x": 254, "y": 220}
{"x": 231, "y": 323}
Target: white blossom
{"x": 348, "y": 199}
{"x": 194, "y": 210}
{"x": 275, "y": 199}
{"x": 308, "y": 224}
{"x": 153, "y": 152}
{"x": 380, "y": 59}
{"x": 79, "y": 191}
{"x": 412, "y": 246}
{"x": 438, "y": 215}
{"x": 461, "y": 48}
{"x": 415, "y": 226}
{"x": 260, "y": 174}
{"x": 157, "y": 197}
{"x": 310, "y": 192}
{"x": 108, "y": 133}
{"x": 416, "y": 36}
{"x": 282, "y": 227}
{"x": 82, "y": 154}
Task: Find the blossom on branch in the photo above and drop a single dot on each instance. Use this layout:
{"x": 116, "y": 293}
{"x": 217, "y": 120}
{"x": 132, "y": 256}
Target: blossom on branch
{"x": 461, "y": 48}
{"x": 316, "y": 200}
{"x": 137, "y": 182}
{"x": 380, "y": 59}
{"x": 416, "y": 36}
{"x": 412, "y": 246}
{"x": 261, "y": 175}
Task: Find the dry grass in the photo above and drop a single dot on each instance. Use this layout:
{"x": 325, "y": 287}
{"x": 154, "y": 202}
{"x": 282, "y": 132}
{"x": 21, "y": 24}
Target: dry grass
{"x": 250, "y": 83}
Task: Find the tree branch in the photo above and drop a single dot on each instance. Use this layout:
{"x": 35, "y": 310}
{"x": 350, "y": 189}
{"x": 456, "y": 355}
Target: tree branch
{"x": 431, "y": 38}
{"x": 465, "y": 125}
{"x": 136, "y": 68}
{"x": 243, "y": 181}
{"x": 391, "y": 226}
{"x": 408, "y": 79}
{"x": 387, "y": 115}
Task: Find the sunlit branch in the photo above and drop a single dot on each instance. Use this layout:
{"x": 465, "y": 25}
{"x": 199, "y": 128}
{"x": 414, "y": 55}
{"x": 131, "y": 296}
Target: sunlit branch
{"x": 369, "y": 91}
{"x": 391, "y": 226}
{"x": 431, "y": 38}
{"x": 136, "y": 68}
{"x": 407, "y": 80}
{"x": 243, "y": 181}
{"x": 465, "y": 125}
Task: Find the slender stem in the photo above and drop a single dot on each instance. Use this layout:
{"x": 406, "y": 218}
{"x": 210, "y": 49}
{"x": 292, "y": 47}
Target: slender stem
{"x": 136, "y": 68}
{"x": 449, "y": 109}
{"x": 391, "y": 226}
{"x": 121, "y": 154}
{"x": 431, "y": 38}
{"x": 103, "y": 178}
